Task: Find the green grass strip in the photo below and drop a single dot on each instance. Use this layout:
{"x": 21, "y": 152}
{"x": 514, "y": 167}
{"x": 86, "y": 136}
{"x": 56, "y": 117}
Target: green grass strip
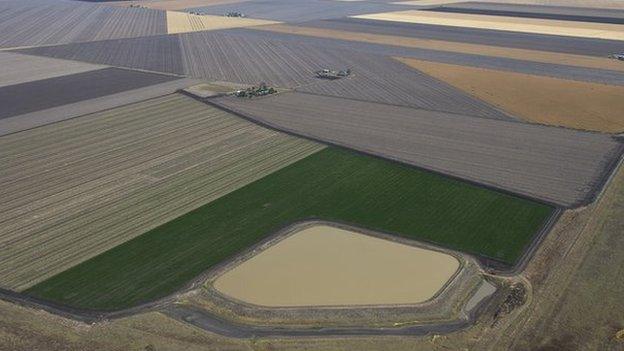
{"x": 333, "y": 184}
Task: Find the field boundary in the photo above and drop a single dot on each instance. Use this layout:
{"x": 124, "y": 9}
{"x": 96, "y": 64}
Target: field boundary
{"x": 532, "y": 246}
{"x": 595, "y": 187}
{"x": 289, "y": 131}
{"x": 92, "y": 316}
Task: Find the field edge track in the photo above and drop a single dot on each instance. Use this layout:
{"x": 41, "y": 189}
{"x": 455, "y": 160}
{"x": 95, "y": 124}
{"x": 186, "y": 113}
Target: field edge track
{"x": 215, "y": 323}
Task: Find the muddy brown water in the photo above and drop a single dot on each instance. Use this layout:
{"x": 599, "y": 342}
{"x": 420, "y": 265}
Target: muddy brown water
{"x": 324, "y": 265}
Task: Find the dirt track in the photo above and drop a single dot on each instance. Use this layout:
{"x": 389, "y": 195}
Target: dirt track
{"x": 195, "y": 314}
{"x": 214, "y": 324}
{"x": 579, "y": 263}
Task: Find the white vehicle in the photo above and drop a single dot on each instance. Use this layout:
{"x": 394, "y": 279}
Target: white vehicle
{"x": 617, "y": 56}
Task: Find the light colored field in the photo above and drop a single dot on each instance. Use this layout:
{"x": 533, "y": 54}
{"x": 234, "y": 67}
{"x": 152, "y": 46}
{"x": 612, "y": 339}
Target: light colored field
{"x": 182, "y": 22}
{"x": 605, "y": 4}
{"x": 440, "y": 45}
{"x": 538, "y": 99}
{"x": 17, "y": 68}
{"x": 324, "y": 265}
{"x": 74, "y": 189}
{"x": 515, "y": 24}
{"x": 205, "y": 90}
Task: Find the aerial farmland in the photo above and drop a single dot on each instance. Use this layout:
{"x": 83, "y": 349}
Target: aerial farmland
{"x": 311, "y": 175}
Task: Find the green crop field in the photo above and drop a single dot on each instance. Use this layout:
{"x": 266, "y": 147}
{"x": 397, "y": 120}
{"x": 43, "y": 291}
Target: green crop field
{"x": 333, "y": 184}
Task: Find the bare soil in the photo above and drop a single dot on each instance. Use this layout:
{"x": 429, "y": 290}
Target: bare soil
{"x": 181, "y": 22}
{"x": 554, "y": 164}
{"x": 543, "y": 100}
{"x": 524, "y": 25}
{"x": 441, "y": 45}
{"x": 172, "y": 4}
{"x": 575, "y": 304}
{"x": 605, "y": 4}
{"x": 74, "y": 189}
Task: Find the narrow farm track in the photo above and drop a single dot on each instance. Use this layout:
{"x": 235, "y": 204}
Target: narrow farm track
{"x": 78, "y": 188}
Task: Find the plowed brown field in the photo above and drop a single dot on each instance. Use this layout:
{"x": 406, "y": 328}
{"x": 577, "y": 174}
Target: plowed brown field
{"x": 544, "y": 100}
{"x": 504, "y": 23}
{"x": 441, "y": 45}
{"x": 74, "y": 189}
{"x": 172, "y": 4}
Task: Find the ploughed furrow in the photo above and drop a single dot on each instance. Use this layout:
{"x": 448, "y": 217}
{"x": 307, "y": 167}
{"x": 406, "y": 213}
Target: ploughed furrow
{"x": 65, "y": 90}
{"x": 561, "y": 166}
{"x": 78, "y": 188}
{"x": 154, "y": 53}
{"x": 35, "y": 23}
{"x": 155, "y": 137}
{"x": 125, "y": 220}
{"x": 558, "y": 65}
{"x": 381, "y": 79}
{"x": 299, "y": 10}
{"x": 223, "y": 57}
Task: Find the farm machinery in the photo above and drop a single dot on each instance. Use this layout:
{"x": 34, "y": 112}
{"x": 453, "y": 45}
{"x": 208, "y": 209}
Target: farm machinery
{"x": 619, "y": 56}
{"x": 327, "y": 73}
{"x": 234, "y": 14}
{"x": 260, "y": 90}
